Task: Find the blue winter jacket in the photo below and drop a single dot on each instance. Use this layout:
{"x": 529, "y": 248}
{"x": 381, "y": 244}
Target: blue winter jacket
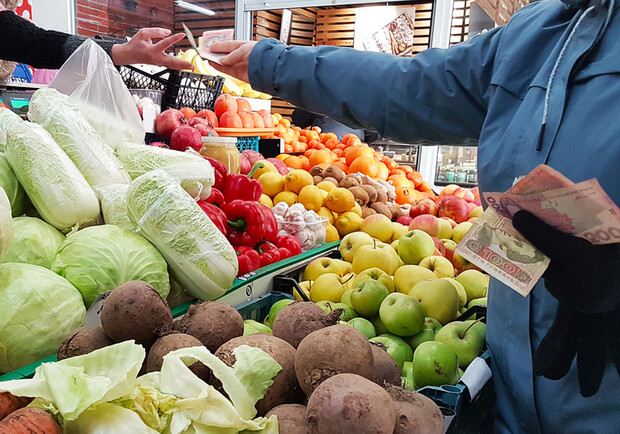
{"x": 492, "y": 89}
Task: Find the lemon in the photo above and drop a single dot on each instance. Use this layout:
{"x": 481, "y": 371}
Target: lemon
{"x": 297, "y": 179}
{"x": 272, "y": 182}
{"x": 325, "y": 212}
{"x": 326, "y": 186}
{"x": 267, "y": 167}
{"x": 357, "y": 209}
{"x": 311, "y": 197}
{"x": 331, "y": 233}
{"x": 348, "y": 222}
{"x": 266, "y": 200}
{"x": 340, "y": 200}
{"x": 285, "y": 196}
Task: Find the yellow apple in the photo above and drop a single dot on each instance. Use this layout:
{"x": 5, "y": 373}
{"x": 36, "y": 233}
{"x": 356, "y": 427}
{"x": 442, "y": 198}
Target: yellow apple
{"x": 379, "y": 255}
{"x": 445, "y": 229}
{"x": 399, "y": 231}
{"x": 305, "y": 287}
{"x": 353, "y": 241}
{"x": 407, "y": 276}
{"x": 319, "y": 266}
{"x": 438, "y": 298}
{"x": 460, "y": 290}
{"x": 476, "y": 284}
{"x": 460, "y": 230}
{"x": 328, "y": 287}
{"x": 476, "y": 212}
{"x": 439, "y": 265}
{"x": 379, "y": 227}
{"x": 345, "y": 266}
{"x": 374, "y": 274}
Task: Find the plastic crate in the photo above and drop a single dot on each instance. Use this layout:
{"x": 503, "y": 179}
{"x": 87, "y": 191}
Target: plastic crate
{"x": 247, "y": 143}
{"x": 181, "y": 88}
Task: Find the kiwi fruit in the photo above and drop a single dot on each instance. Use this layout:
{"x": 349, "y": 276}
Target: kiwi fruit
{"x": 367, "y": 211}
{"x": 372, "y": 193}
{"x": 382, "y": 208}
{"x": 396, "y": 211}
{"x": 317, "y": 171}
{"x": 381, "y": 196}
{"x": 332, "y": 180}
{"x": 349, "y": 181}
{"x": 316, "y": 179}
{"x": 334, "y": 172}
{"x": 361, "y": 197}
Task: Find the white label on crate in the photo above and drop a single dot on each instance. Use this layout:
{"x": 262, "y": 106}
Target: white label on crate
{"x": 476, "y": 376}
{"x": 148, "y": 118}
{"x": 93, "y": 314}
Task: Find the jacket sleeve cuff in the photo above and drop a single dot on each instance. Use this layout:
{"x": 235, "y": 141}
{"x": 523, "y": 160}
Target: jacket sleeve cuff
{"x": 73, "y": 42}
{"x": 262, "y": 64}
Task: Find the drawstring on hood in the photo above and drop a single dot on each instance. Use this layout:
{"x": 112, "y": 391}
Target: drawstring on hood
{"x": 570, "y": 4}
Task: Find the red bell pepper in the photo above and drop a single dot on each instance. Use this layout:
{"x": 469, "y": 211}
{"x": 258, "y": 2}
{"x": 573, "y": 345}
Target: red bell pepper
{"x": 243, "y": 187}
{"x": 246, "y": 222}
{"x": 268, "y": 253}
{"x": 221, "y": 172}
{"x": 284, "y": 253}
{"x": 289, "y": 242}
{"x": 216, "y": 198}
{"x": 271, "y": 224}
{"x": 248, "y": 258}
{"x": 216, "y": 215}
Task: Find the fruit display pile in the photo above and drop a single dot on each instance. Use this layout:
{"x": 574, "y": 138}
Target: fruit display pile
{"x": 211, "y": 371}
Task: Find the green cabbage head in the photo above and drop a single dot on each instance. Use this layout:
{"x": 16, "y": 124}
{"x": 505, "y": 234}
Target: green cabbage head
{"x": 34, "y": 242}
{"x": 100, "y": 258}
{"x": 38, "y": 308}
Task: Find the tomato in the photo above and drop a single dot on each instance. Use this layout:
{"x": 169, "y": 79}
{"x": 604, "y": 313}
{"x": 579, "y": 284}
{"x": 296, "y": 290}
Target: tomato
{"x": 231, "y": 120}
{"x": 188, "y": 112}
{"x": 225, "y": 103}
{"x": 246, "y": 119}
{"x": 267, "y": 118}
{"x": 243, "y": 105}
{"x": 258, "y": 120}
{"x": 208, "y": 115}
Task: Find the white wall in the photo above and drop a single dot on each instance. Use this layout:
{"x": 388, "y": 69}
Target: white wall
{"x": 54, "y": 14}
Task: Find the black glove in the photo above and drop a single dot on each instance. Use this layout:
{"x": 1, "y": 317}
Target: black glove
{"x": 585, "y": 279}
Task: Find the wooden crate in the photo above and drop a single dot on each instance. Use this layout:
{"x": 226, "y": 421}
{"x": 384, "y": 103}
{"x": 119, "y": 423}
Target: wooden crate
{"x": 500, "y": 11}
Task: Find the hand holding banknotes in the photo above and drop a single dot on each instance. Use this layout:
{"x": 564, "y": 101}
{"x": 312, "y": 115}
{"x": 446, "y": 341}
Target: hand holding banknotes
{"x": 585, "y": 279}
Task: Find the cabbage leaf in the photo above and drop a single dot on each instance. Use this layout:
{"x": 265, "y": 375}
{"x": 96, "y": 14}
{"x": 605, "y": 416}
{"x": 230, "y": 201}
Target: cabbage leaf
{"x": 6, "y": 225}
{"x": 14, "y": 191}
{"x": 113, "y": 200}
{"x": 38, "y": 308}
{"x": 201, "y": 258}
{"x": 35, "y": 242}
{"x": 7, "y": 119}
{"x": 100, "y": 258}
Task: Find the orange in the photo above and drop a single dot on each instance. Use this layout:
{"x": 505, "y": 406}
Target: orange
{"x": 397, "y": 172}
{"x": 406, "y": 169}
{"x": 317, "y": 129}
{"x": 285, "y": 122}
{"x": 288, "y": 148}
{"x": 425, "y": 186}
{"x": 382, "y": 172}
{"x": 293, "y": 162}
{"x": 357, "y": 151}
{"x": 337, "y": 152}
{"x": 348, "y": 137}
{"x": 354, "y": 142}
{"x": 313, "y": 135}
{"x": 309, "y": 152}
{"x": 321, "y": 156}
{"x": 327, "y": 136}
{"x": 305, "y": 163}
{"x": 365, "y": 165}
{"x": 332, "y": 143}
{"x": 415, "y": 177}
{"x": 342, "y": 165}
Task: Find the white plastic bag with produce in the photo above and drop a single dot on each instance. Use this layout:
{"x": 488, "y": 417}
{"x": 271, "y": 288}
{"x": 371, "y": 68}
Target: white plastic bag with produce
{"x": 95, "y": 86}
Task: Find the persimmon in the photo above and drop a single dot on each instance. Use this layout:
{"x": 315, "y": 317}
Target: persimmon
{"x": 338, "y": 152}
{"x": 313, "y": 143}
{"x": 342, "y": 166}
{"x": 309, "y": 152}
{"x": 293, "y": 162}
{"x": 397, "y": 172}
{"x": 400, "y": 181}
{"x": 415, "y": 177}
{"x": 348, "y": 137}
{"x": 354, "y": 142}
{"x": 424, "y": 186}
{"x": 188, "y": 112}
{"x": 225, "y": 103}
{"x": 285, "y": 122}
{"x": 321, "y": 156}
{"x": 365, "y": 165}
{"x": 355, "y": 152}
{"x": 288, "y": 148}
{"x": 326, "y": 136}
{"x": 305, "y": 163}
{"x": 332, "y": 143}
{"x": 405, "y": 168}
{"x": 390, "y": 163}
{"x": 407, "y": 195}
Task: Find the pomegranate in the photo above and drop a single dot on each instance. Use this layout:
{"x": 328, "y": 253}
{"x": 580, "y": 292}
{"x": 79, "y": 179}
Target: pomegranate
{"x": 186, "y": 137}
{"x": 168, "y": 121}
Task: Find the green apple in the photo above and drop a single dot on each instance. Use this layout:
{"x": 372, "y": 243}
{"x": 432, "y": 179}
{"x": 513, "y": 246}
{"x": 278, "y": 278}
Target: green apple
{"x": 445, "y": 229}
{"x": 353, "y": 241}
{"x": 374, "y": 274}
{"x": 378, "y": 226}
{"x": 407, "y": 276}
{"x": 476, "y": 284}
{"x": 380, "y": 328}
{"x": 378, "y": 255}
{"x": 414, "y": 246}
{"x": 448, "y": 243}
{"x": 435, "y": 364}
{"x": 399, "y": 231}
{"x": 363, "y": 325}
{"x": 439, "y": 265}
{"x": 367, "y": 296}
{"x": 346, "y": 297}
{"x": 428, "y": 332}
{"x": 329, "y": 287}
{"x": 320, "y": 266}
{"x": 466, "y": 342}
{"x": 347, "y": 311}
{"x": 479, "y": 326}
{"x": 396, "y": 347}
{"x": 438, "y": 298}
{"x": 277, "y": 307}
{"x": 476, "y": 302}
{"x": 460, "y": 230}
{"x": 402, "y": 315}
{"x": 394, "y": 245}
{"x": 460, "y": 290}
{"x": 407, "y": 376}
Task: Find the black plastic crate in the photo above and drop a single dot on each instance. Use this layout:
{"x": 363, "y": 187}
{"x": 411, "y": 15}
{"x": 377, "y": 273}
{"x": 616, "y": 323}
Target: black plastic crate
{"x": 181, "y": 88}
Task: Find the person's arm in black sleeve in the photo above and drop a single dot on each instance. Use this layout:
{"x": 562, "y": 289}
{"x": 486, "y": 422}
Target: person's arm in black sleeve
{"x": 24, "y": 42}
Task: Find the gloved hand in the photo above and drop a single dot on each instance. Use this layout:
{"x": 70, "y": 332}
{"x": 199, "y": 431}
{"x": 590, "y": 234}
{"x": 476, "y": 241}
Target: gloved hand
{"x": 585, "y": 279}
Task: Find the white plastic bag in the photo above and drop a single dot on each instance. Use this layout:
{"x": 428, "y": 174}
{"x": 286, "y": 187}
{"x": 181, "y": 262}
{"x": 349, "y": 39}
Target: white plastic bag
{"x": 95, "y": 86}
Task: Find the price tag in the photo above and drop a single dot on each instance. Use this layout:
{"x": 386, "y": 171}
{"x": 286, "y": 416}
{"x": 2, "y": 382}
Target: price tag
{"x": 93, "y": 314}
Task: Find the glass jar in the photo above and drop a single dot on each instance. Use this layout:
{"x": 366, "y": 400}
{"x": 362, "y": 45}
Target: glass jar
{"x": 224, "y": 150}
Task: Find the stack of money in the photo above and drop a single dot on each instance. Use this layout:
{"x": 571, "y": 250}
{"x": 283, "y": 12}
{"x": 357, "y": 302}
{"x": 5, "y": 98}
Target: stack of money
{"x": 494, "y": 245}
